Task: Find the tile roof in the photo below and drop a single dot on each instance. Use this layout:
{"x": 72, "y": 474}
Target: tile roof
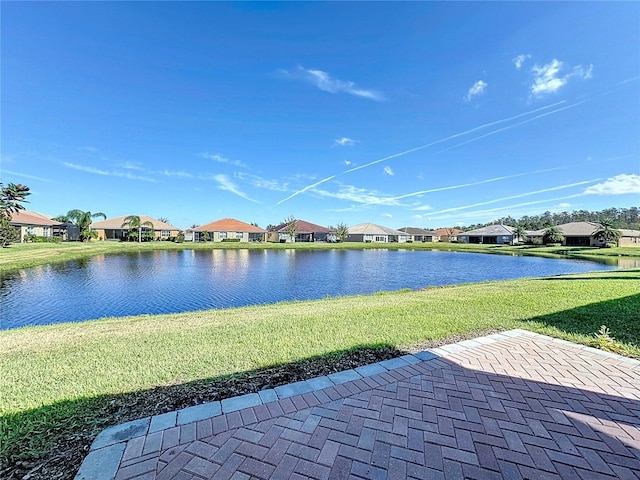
{"x": 490, "y": 230}
{"x": 116, "y": 223}
{"x": 445, "y": 231}
{"x": 303, "y": 227}
{"x": 26, "y": 217}
{"x": 417, "y": 231}
{"x": 572, "y": 229}
{"x": 228, "y": 225}
{"x": 373, "y": 229}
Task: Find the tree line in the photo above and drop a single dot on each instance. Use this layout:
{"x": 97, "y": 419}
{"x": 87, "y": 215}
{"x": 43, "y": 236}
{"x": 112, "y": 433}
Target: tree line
{"x": 618, "y": 218}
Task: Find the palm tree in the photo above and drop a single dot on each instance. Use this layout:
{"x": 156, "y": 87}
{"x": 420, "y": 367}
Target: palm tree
{"x": 83, "y": 221}
{"x": 342, "y": 232}
{"x": 11, "y": 198}
{"x": 519, "y": 233}
{"x": 606, "y": 232}
{"x": 552, "y": 235}
{"x": 133, "y": 222}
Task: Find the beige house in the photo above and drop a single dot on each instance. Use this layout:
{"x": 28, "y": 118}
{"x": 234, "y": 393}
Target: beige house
{"x": 29, "y": 223}
{"x": 228, "y": 229}
{"x": 491, "y": 234}
{"x": 420, "y": 234}
{"x": 112, "y": 229}
{"x": 448, "y": 234}
{"x": 372, "y": 233}
{"x": 581, "y": 234}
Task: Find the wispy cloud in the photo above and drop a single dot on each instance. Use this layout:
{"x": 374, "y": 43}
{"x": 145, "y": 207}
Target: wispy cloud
{"x": 306, "y": 188}
{"x": 106, "y": 173}
{"x": 347, "y": 162}
{"x": 360, "y": 196}
{"x": 131, "y": 166}
{"x": 388, "y": 215}
{"x": 563, "y": 205}
{"x": 520, "y": 59}
{"x": 24, "y": 175}
{"x": 547, "y": 78}
{"x": 325, "y": 82}
{"x": 224, "y": 183}
{"x": 388, "y": 170}
{"x": 476, "y": 89}
{"x": 618, "y": 185}
{"x": 345, "y": 141}
{"x": 220, "y": 159}
{"x": 259, "y": 182}
{"x": 512, "y": 197}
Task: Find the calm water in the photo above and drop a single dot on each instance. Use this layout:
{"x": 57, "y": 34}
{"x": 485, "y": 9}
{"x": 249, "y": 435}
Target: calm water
{"x": 165, "y": 282}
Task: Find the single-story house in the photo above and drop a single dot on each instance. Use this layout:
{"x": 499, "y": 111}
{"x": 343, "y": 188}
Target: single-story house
{"x": 372, "y": 233}
{"x": 112, "y": 229}
{"x": 306, "y": 232}
{"x": 227, "y": 229}
{"x": 447, "y": 234}
{"x": 581, "y": 234}
{"x": 491, "y": 234}
{"x": 420, "y": 234}
{"x": 29, "y": 223}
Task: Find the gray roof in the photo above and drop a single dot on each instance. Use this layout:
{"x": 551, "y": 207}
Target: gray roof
{"x": 489, "y": 230}
{"x": 373, "y": 229}
{"x": 572, "y": 229}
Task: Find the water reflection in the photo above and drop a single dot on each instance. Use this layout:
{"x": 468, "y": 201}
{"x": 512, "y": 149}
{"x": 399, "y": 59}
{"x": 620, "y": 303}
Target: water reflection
{"x": 167, "y": 281}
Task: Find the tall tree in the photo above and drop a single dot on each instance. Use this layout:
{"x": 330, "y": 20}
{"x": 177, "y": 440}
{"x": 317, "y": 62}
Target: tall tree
{"x": 552, "y": 235}
{"x": 342, "y": 232}
{"x": 291, "y": 227}
{"x": 520, "y": 233}
{"x": 606, "y": 232}
{"x": 134, "y": 222}
{"x": 83, "y": 221}
{"x": 12, "y": 197}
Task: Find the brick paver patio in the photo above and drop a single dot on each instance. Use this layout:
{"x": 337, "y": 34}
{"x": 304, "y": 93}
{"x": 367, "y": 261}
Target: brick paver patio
{"x": 508, "y": 406}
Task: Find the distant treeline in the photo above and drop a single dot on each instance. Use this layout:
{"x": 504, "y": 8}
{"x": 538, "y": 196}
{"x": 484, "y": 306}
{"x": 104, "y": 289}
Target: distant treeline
{"x": 620, "y": 217}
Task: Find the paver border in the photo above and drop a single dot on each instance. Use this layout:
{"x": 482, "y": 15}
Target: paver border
{"x": 108, "y": 448}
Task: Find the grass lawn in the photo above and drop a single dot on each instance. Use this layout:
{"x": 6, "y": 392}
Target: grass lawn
{"x": 32, "y": 254}
{"x": 63, "y": 383}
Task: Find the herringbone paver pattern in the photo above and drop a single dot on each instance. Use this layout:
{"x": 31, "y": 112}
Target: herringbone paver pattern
{"x": 520, "y": 408}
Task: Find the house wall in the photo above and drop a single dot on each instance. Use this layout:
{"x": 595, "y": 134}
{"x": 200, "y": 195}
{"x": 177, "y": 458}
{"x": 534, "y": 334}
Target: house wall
{"x": 629, "y": 242}
{"x": 37, "y": 230}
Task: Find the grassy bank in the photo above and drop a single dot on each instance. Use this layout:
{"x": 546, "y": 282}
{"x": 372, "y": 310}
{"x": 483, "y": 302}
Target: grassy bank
{"x": 33, "y": 254}
{"x": 61, "y": 384}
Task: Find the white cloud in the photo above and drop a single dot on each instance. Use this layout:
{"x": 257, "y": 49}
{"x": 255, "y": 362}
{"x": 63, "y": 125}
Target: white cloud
{"x": 359, "y": 195}
{"x": 388, "y": 215}
{"x": 224, "y": 183}
{"x": 106, "y": 173}
{"x": 563, "y": 205}
{"x": 618, "y": 185}
{"x": 24, "y": 175}
{"x": 220, "y": 159}
{"x": 347, "y": 162}
{"x": 475, "y": 90}
{"x": 547, "y": 78}
{"x": 325, "y": 82}
{"x": 345, "y": 141}
{"x": 263, "y": 183}
{"x": 423, "y": 208}
{"x": 388, "y": 171}
{"x": 520, "y": 59}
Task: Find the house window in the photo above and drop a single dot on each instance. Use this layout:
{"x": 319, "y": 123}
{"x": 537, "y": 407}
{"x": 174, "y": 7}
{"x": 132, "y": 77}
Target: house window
{"x": 165, "y": 234}
{"x": 45, "y": 231}
{"x": 222, "y": 235}
{"x": 29, "y": 230}
{"x": 381, "y": 239}
{"x": 368, "y": 238}
{"x": 239, "y": 235}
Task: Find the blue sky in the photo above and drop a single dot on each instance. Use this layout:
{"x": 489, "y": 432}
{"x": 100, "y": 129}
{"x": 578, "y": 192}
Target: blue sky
{"x": 402, "y": 114}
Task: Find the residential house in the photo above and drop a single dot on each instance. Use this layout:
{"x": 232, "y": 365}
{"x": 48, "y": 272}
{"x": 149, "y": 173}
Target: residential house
{"x": 448, "y": 234}
{"x": 581, "y": 234}
{"x": 372, "y": 233}
{"x": 29, "y": 223}
{"x": 491, "y": 234}
{"x": 305, "y": 232}
{"x": 113, "y": 229}
{"x": 420, "y": 234}
{"x": 228, "y": 229}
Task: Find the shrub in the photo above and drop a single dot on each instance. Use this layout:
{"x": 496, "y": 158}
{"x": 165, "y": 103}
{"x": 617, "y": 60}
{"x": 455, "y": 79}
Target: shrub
{"x": 610, "y": 245}
{"x": 230, "y": 239}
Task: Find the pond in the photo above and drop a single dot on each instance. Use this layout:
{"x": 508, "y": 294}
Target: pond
{"x": 170, "y": 281}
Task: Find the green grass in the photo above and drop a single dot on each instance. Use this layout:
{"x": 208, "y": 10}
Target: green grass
{"x": 62, "y": 380}
{"x": 33, "y": 254}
